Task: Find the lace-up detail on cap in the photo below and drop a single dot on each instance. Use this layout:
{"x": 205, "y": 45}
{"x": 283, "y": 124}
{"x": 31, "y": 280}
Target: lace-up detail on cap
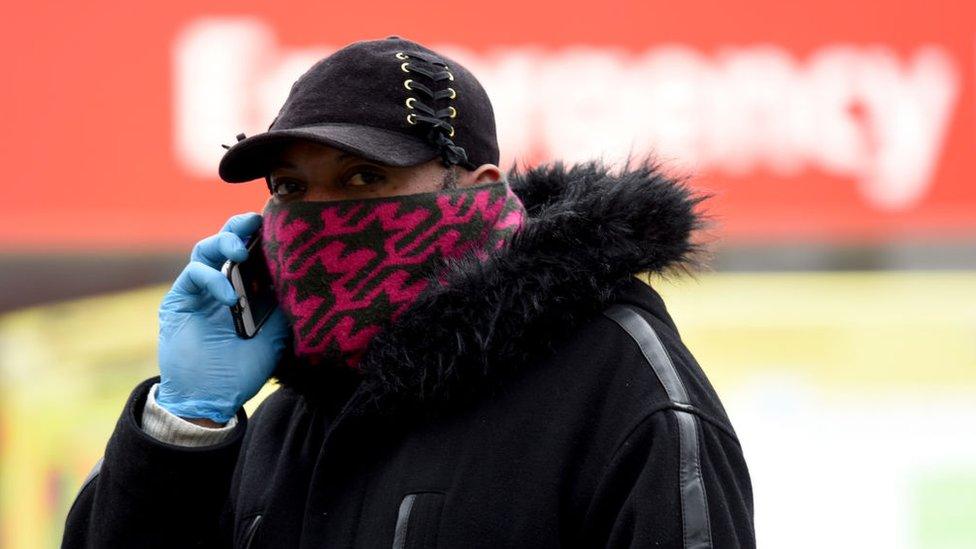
{"x": 429, "y": 108}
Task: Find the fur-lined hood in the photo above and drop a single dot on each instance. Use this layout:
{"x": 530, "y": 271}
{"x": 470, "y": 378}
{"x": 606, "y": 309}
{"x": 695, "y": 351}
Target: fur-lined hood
{"x": 589, "y": 230}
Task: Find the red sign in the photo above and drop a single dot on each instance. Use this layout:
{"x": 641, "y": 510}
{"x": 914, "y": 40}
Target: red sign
{"x": 824, "y": 121}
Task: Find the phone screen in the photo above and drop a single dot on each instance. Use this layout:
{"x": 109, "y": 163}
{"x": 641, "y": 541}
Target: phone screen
{"x": 256, "y": 282}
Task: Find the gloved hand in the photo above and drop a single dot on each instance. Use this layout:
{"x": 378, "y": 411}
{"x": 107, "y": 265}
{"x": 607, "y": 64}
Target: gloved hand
{"x": 206, "y": 369}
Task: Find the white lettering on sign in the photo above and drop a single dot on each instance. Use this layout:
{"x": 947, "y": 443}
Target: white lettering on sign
{"x": 858, "y": 112}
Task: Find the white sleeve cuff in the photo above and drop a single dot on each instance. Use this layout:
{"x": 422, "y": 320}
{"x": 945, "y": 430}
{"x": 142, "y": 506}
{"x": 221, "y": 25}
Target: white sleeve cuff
{"x": 168, "y": 427}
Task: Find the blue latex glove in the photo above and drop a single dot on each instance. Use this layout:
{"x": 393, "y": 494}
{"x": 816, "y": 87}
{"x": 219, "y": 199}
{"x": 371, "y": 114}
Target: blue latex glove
{"x": 206, "y": 369}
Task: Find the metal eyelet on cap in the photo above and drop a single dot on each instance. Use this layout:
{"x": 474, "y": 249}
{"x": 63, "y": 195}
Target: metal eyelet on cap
{"x": 441, "y": 131}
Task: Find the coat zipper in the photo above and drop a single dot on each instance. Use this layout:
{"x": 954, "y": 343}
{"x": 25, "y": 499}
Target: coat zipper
{"x": 251, "y": 530}
{"x": 358, "y": 395}
{"x": 403, "y": 519}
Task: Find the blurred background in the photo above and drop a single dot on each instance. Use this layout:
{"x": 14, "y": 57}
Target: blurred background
{"x": 838, "y": 321}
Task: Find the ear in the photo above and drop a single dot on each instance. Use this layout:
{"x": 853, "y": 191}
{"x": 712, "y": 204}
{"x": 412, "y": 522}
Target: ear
{"x": 485, "y": 173}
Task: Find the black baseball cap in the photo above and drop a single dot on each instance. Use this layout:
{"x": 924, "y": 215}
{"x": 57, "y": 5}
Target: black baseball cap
{"x": 391, "y": 101}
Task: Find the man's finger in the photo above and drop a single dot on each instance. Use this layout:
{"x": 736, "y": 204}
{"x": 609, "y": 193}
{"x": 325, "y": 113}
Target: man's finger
{"x": 242, "y": 224}
{"x": 214, "y": 250}
{"x": 198, "y": 278}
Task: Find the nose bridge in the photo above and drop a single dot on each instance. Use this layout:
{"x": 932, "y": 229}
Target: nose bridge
{"x": 320, "y": 167}
{"x": 324, "y": 189}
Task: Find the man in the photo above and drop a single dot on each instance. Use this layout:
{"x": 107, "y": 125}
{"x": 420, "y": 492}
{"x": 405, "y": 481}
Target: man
{"x": 464, "y": 360}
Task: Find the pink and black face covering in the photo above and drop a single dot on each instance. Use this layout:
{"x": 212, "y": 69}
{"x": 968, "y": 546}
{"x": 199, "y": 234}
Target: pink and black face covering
{"x": 341, "y": 269}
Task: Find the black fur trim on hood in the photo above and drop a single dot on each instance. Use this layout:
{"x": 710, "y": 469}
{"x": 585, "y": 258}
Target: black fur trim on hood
{"x": 589, "y": 230}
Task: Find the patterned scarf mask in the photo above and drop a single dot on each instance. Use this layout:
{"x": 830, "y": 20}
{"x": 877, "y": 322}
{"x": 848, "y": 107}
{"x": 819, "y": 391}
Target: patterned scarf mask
{"x": 341, "y": 269}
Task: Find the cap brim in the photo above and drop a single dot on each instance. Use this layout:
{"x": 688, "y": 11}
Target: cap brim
{"x": 252, "y": 157}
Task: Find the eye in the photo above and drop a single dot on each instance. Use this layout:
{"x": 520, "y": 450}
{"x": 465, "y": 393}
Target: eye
{"x": 360, "y": 177}
{"x": 283, "y": 186}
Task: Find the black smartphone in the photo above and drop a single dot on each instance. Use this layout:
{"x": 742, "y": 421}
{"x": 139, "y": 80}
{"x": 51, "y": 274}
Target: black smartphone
{"x": 255, "y": 290}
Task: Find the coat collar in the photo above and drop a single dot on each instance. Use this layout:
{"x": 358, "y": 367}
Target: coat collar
{"x": 589, "y": 230}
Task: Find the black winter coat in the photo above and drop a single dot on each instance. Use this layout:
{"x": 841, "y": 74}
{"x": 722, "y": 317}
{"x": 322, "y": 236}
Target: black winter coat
{"x": 540, "y": 399}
